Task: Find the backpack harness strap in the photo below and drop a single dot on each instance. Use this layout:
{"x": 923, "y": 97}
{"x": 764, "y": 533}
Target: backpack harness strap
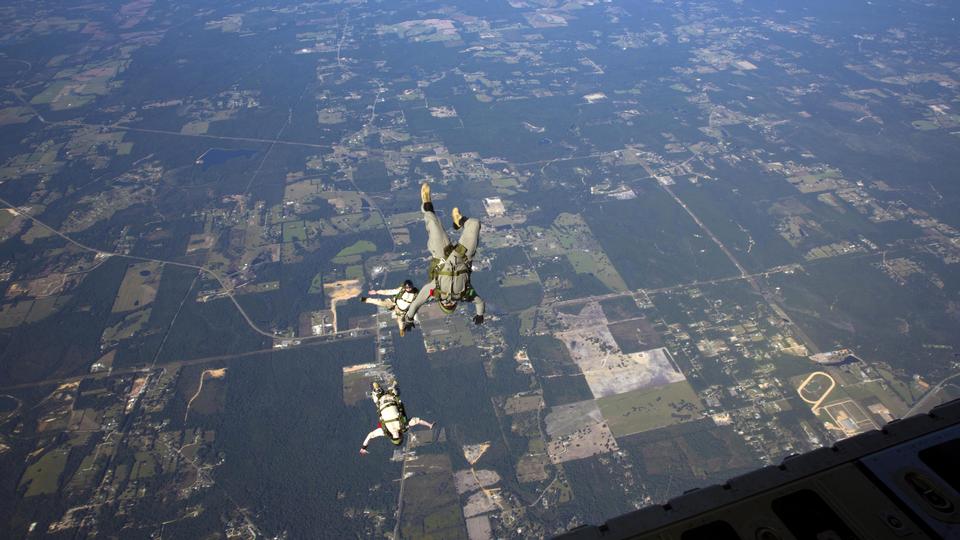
{"x": 399, "y": 405}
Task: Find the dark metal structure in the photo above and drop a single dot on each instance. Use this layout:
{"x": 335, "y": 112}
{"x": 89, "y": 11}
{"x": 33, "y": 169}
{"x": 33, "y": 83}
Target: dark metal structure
{"x": 902, "y": 482}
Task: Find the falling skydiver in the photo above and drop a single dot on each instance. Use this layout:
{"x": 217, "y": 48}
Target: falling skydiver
{"x": 451, "y": 264}
{"x": 399, "y": 302}
{"x": 393, "y": 422}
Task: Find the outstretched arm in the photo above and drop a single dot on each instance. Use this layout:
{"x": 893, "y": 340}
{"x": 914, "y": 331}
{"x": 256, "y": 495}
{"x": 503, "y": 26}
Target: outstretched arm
{"x": 372, "y": 435}
{"x": 386, "y": 292}
{"x": 420, "y": 300}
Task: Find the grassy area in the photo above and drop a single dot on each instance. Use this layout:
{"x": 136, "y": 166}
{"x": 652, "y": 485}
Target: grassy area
{"x": 350, "y": 253}
{"x": 504, "y": 182}
{"x": 816, "y": 387}
{"x": 519, "y": 281}
{"x": 527, "y": 319}
{"x": 12, "y": 315}
{"x": 445, "y": 333}
{"x": 43, "y": 476}
{"x": 350, "y": 223}
{"x": 431, "y": 506}
{"x": 570, "y": 236}
{"x": 906, "y": 392}
{"x": 36, "y": 232}
{"x": 536, "y": 446}
{"x": 49, "y": 94}
{"x": 354, "y": 271}
{"x": 925, "y": 125}
{"x": 86, "y": 474}
{"x": 532, "y": 468}
{"x": 294, "y": 230}
{"x": 887, "y": 396}
{"x": 406, "y": 218}
{"x": 596, "y": 263}
{"x": 15, "y": 115}
{"x": 650, "y": 408}
{"x": 6, "y": 217}
{"x": 301, "y": 190}
{"x": 145, "y": 466}
{"x": 316, "y": 285}
{"x": 139, "y": 287}
{"x": 128, "y": 327}
{"x": 195, "y": 128}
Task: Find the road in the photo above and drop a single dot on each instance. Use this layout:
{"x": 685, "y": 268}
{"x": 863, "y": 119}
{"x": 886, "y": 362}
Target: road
{"x": 754, "y": 284}
{"x": 923, "y": 402}
{"x": 228, "y": 291}
{"x": 672, "y": 288}
{"x": 176, "y": 364}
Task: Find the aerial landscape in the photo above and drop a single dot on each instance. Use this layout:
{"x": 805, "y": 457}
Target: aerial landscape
{"x": 714, "y": 234}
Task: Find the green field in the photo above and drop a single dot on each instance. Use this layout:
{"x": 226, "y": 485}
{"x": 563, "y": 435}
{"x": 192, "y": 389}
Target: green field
{"x": 925, "y": 125}
{"x": 527, "y": 319}
{"x": 145, "y": 466}
{"x": 597, "y": 264}
{"x": 294, "y": 230}
{"x": 43, "y": 476}
{"x": 354, "y": 272}
{"x": 864, "y": 391}
{"x": 12, "y": 315}
{"x": 519, "y": 281}
{"x": 352, "y": 253}
{"x": 316, "y": 285}
{"x": 431, "y": 507}
{"x": 139, "y": 286}
{"x": 350, "y": 223}
{"x": 128, "y": 327}
{"x": 650, "y": 408}
{"x": 6, "y": 217}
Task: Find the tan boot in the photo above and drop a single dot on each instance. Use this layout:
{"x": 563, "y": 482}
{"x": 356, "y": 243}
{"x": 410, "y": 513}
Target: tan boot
{"x": 457, "y": 217}
{"x": 425, "y": 193}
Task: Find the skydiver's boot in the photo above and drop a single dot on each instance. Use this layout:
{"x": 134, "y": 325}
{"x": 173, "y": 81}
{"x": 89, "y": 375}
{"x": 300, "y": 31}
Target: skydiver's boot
{"x": 458, "y": 218}
{"x": 363, "y": 299}
{"x": 425, "y": 197}
{"x": 403, "y": 327}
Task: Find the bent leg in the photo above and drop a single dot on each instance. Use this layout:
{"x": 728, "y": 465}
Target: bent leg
{"x": 417, "y": 421}
{"x": 437, "y": 238}
{"x": 470, "y": 236}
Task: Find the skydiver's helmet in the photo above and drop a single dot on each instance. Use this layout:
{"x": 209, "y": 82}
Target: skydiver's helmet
{"x": 408, "y": 285}
{"x": 448, "y": 306}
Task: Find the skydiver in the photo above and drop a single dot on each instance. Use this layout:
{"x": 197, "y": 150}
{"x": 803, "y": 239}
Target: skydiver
{"x": 399, "y": 301}
{"x": 393, "y": 419}
{"x": 451, "y": 265}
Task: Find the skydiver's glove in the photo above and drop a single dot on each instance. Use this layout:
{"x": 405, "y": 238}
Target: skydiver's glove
{"x": 363, "y": 451}
{"x": 478, "y": 319}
